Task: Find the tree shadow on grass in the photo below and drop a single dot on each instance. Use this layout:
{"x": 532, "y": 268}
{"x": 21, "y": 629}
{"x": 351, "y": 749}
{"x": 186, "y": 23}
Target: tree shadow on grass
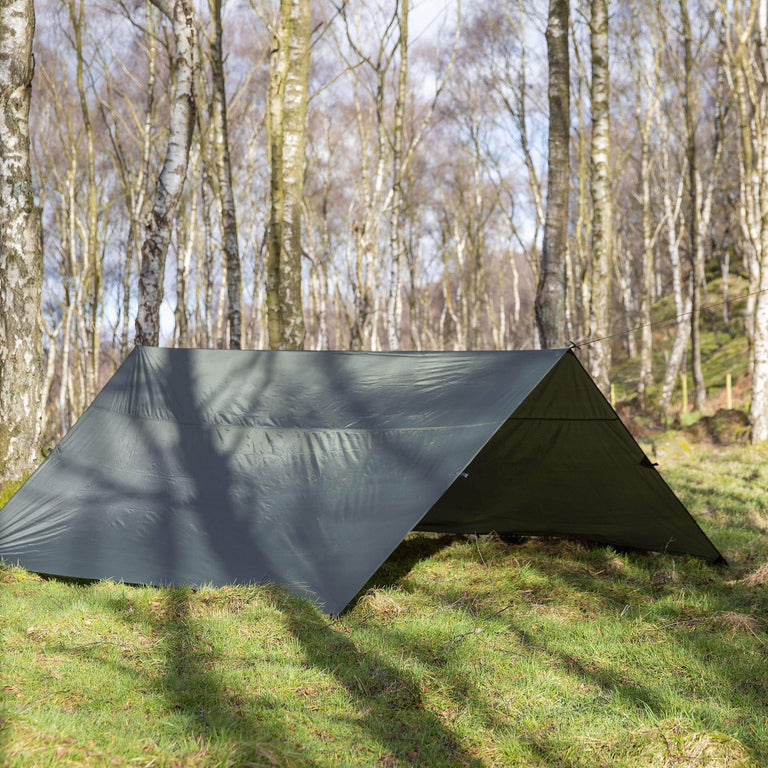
{"x": 6, "y": 705}
{"x": 235, "y": 725}
{"x": 5, "y": 717}
{"x": 542, "y": 747}
{"x": 413, "y": 549}
{"x": 733, "y": 666}
{"x": 388, "y": 699}
{"x": 678, "y": 603}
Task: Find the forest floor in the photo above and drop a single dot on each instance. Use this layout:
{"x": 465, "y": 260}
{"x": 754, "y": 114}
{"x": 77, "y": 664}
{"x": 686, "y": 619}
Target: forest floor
{"x": 457, "y": 652}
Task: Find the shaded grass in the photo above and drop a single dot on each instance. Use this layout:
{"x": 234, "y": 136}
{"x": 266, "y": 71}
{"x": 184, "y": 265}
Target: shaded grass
{"x": 458, "y": 652}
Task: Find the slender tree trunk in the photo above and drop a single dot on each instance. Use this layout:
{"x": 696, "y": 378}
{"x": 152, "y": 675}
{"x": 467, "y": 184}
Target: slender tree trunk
{"x": 581, "y": 254}
{"x": 646, "y": 289}
{"x": 21, "y": 257}
{"x": 92, "y": 267}
{"x": 694, "y": 224}
{"x": 627, "y": 291}
{"x": 746, "y": 49}
{"x": 221, "y": 309}
{"x": 519, "y": 113}
{"x": 397, "y": 244}
{"x": 207, "y": 331}
{"x": 134, "y": 184}
{"x": 50, "y": 371}
{"x": 227, "y": 211}
{"x": 66, "y": 373}
{"x": 170, "y": 182}
{"x": 645, "y": 115}
{"x": 602, "y": 239}
{"x": 551, "y": 292}
{"x": 682, "y": 304}
{"x": 288, "y": 90}
{"x": 186, "y": 239}
{"x": 758, "y": 410}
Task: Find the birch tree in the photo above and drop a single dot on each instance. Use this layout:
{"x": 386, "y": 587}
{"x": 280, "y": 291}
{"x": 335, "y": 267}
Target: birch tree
{"x": 747, "y": 53}
{"x": 647, "y": 71}
{"x": 551, "y": 291}
{"x": 132, "y": 173}
{"x": 226, "y": 196}
{"x": 21, "y": 258}
{"x": 694, "y": 224}
{"x": 286, "y": 130}
{"x": 672, "y": 197}
{"x": 170, "y": 182}
{"x": 91, "y": 304}
{"x": 602, "y": 239}
{"x": 579, "y": 254}
{"x": 396, "y": 239}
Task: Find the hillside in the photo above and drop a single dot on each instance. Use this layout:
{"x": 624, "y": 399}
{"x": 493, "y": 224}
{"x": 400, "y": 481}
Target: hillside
{"x": 724, "y": 350}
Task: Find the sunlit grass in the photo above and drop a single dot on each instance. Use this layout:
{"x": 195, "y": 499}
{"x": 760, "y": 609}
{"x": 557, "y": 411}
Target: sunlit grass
{"x": 458, "y": 652}
{"x": 721, "y": 352}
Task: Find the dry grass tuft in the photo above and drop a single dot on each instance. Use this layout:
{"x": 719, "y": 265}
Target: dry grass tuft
{"x": 737, "y": 621}
{"x": 670, "y": 744}
{"x": 757, "y": 578}
{"x": 610, "y": 564}
{"x": 561, "y": 548}
{"x": 12, "y": 574}
{"x": 663, "y": 577}
{"x": 377, "y": 603}
{"x": 758, "y": 520}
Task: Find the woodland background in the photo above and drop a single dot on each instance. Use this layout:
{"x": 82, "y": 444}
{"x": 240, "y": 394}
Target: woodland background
{"x": 422, "y": 216}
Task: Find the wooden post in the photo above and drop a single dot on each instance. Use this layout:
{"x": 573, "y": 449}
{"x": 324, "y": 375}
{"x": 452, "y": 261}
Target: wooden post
{"x": 728, "y": 392}
{"x": 613, "y": 396}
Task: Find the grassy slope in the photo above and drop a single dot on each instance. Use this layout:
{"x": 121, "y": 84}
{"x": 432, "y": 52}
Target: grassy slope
{"x": 721, "y": 353}
{"x": 458, "y": 653}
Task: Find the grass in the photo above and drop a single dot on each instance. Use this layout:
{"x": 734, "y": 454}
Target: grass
{"x": 458, "y": 652}
{"x": 720, "y": 352}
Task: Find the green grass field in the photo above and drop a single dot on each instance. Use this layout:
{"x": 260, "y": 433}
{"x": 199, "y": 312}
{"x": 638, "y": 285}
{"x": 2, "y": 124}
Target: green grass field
{"x": 458, "y": 652}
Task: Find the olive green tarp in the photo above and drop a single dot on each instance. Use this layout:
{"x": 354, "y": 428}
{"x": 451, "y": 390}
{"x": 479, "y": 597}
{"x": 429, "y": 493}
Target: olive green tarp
{"x": 307, "y": 469}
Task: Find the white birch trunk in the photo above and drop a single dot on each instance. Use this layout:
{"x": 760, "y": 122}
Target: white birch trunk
{"x": 227, "y": 213}
{"x": 397, "y": 245}
{"x": 602, "y": 239}
{"x": 550, "y": 304}
{"x": 287, "y": 107}
{"x": 21, "y": 258}
{"x": 682, "y": 305}
{"x": 747, "y": 56}
{"x": 170, "y": 182}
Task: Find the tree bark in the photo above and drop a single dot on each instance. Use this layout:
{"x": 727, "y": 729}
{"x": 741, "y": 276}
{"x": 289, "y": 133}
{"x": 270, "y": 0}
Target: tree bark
{"x": 602, "y": 240}
{"x": 646, "y": 287}
{"x": 92, "y": 264}
{"x": 170, "y": 181}
{"x": 581, "y": 257}
{"x": 682, "y": 303}
{"x": 694, "y": 224}
{"x": 747, "y": 54}
{"x": 397, "y": 244}
{"x": 758, "y": 409}
{"x": 21, "y": 258}
{"x": 648, "y": 85}
{"x": 551, "y": 291}
{"x": 224, "y": 173}
{"x": 287, "y": 111}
